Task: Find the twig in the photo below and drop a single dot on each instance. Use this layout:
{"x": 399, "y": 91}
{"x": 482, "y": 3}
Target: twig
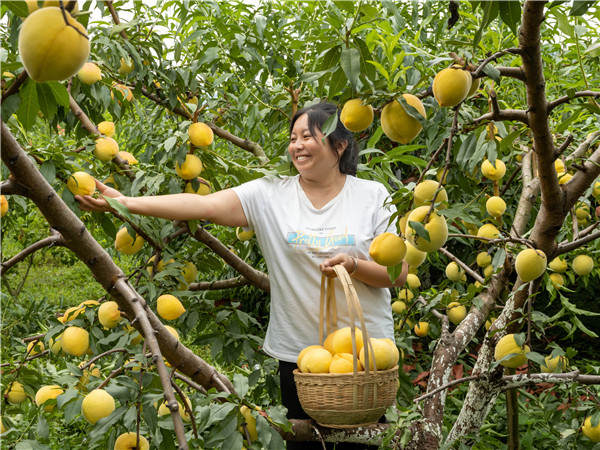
{"x": 446, "y": 386}
{"x": 115, "y": 18}
{"x": 495, "y": 56}
{"x": 566, "y": 247}
{"x": 566, "y": 99}
{"x": 466, "y": 268}
{"x": 563, "y": 146}
{"x": 54, "y": 239}
{"x": 186, "y": 405}
{"x": 219, "y": 284}
{"x": 14, "y": 87}
{"x": 101, "y": 355}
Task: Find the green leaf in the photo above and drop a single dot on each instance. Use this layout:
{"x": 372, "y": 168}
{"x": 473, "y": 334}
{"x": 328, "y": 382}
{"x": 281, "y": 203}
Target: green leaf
{"x": 491, "y": 150}
{"x": 410, "y": 160}
{"x": 331, "y": 58}
{"x": 580, "y": 7}
{"x": 225, "y": 427}
{"x": 42, "y": 428}
{"x": 365, "y": 58}
{"x": 68, "y": 396}
{"x": 29, "y": 444}
{"x": 574, "y": 310}
{"x": 48, "y": 171}
{"x": 47, "y": 101}
{"x": 338, "y": 82}
{"x": 240, "y": 382}
{"x": 72, "y": 410}
{"x": 209, "y": 55}
{"x": 122, "y": 209}
{"x": 329, "y": 125}
{"x": 412, "y": 111}
{"x": 466, "y": 149}
{"x": 170, "y": 143}
{"x": 492, "y": 72}
{"x": 593, "y": 50}
{"x": 490, "y": 12}
{"x": 29, "y": 106}
{"x": 579, "y": 324}
{"x": 510, "y": 13}
{"x": 419, "y": 229}
{"x": 310, "y": 76}
{"x": 104, "y": 424}
{"x": 498, "y": 258}
{"x": 564, "y": 24}
{"x": 520, "y": 339}
{"x": 261, "y": 23}
{"x": 346, "y": 5}
{"x": 591, "y": 107}
{"x": 18, "y": 8}
{"x": 382, "y": 70}
{"x": 536, "y": 358}
{"x": 270, "y": 438}
{"x": 123, "y": 26}
{"x": 564, "y": 125}
{"x": 10, "y": 106}
{"x": 350, "y": 62}
{"x": 394, "y": 272}
{"x": 61, "y": 95}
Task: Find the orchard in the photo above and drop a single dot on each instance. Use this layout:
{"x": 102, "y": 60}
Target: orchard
{"x": 482, "y": 120}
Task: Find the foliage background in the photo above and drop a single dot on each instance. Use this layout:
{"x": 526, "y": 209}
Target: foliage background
{"x": 246, "y": 64}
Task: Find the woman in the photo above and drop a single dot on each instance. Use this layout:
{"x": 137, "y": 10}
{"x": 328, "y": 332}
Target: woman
{"x": 304, "y": 224}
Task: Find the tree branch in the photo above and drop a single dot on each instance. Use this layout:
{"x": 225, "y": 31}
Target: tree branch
{"x": 566, "y": 99}
{"x": 89, "y": 126}
{"x": 512, "y": 72}
{"x": 244, "y": 144}
{"x": 255, "y": 277}
{"x": 219, "y": 284}
{"x": 16, "y": 85}
{"x": 465, "y": 267}
{"x": 494, "y": 57}
{"x": 54, "y": 239}
{"x": 516, "y": 115}
{"x": 566, "y": 247}
{"x": 115, "y": 17}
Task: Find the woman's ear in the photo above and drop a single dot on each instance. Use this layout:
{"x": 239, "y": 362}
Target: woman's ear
{"x": 341, "y": 146}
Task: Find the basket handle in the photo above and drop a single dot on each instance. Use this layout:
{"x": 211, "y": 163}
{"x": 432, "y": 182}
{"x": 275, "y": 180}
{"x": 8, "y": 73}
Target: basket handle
{"x": 327, "y": 306}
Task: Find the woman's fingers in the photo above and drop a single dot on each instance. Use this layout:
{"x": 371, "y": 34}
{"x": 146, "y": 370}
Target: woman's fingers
{"x": 107, "y": 190}
{"x": 88, "y": 203}
{"x": 327, "y": 265}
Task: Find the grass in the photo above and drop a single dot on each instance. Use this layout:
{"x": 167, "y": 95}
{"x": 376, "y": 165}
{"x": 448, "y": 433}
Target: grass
{"x": 60, "y": 285}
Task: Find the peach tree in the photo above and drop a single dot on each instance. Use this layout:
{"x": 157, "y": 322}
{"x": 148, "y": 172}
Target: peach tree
{"x": 187, "y": 371}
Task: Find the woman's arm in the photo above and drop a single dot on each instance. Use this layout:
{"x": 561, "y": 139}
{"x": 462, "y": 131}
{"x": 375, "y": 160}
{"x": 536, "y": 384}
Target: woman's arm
{"x": 369, "y": 272}
{"x": 221, "y": 207}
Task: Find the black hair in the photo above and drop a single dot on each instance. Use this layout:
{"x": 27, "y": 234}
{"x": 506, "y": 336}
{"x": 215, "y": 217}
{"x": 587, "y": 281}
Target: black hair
{"x": 317, "y": 114}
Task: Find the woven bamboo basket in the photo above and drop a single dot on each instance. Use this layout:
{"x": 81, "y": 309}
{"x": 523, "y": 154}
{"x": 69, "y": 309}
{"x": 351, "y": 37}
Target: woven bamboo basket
{"x": 346, "y": 400}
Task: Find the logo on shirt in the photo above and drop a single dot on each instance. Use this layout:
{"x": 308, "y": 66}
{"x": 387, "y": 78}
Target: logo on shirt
{"x": 317, "y": 241}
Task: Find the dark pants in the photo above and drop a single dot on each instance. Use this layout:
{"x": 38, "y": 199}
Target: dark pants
{"x": 289, "y": 398}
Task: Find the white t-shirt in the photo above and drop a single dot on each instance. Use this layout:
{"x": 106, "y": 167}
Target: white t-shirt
{"x": 295, "y": 238}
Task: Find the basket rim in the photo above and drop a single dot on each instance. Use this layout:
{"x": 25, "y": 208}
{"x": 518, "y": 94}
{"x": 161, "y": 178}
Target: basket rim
{"x": 362, "y": 373}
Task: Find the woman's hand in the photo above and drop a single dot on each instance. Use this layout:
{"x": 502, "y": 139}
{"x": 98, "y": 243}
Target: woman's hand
{"x": 88, "y": 203}
{"x": 367, "y": 271}
{"x": 347, "y": 261}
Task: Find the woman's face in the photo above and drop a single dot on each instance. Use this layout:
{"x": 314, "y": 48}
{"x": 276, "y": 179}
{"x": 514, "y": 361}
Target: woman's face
{"x": 310, "y": 155}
